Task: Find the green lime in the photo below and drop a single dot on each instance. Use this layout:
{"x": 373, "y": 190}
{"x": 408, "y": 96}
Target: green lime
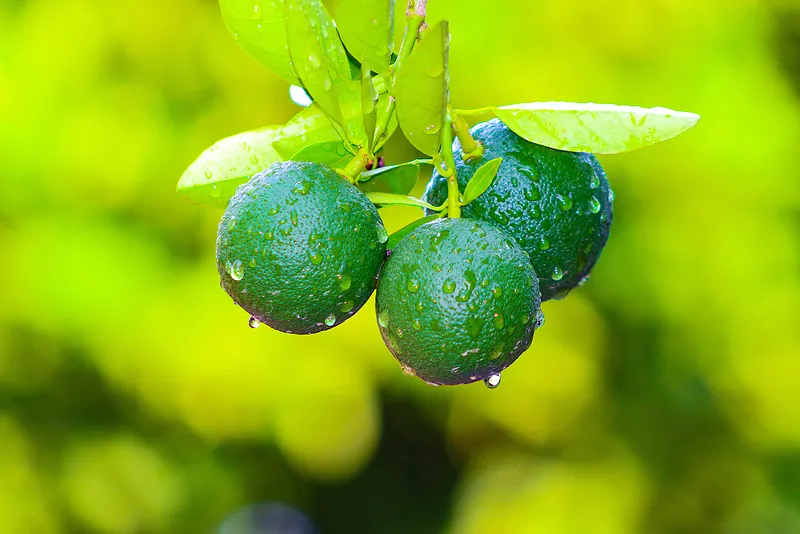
{"x": 556, "y": 204}
{"x": 299, "y": 248}
{"x": 457, "y": 302}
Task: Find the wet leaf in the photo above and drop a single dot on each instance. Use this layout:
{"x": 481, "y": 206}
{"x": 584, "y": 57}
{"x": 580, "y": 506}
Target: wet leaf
{"x": 309, "y": 127}
{"x": 367, "y": 29}
{"x": 352, "y": 105}
{"x": 481, "y": 180}
{"x": 398, "y": 236}
{"x": 597, "y": 128}
{"x": 331, "y": 153}
{"x": 317, "y": 52}
{"x": 391, "y": 199}
{"x": 212, "y": 179}
{"x": 421, "y": 90}
{"x": 398, "y": 179}
{"x": 259, "y": 27}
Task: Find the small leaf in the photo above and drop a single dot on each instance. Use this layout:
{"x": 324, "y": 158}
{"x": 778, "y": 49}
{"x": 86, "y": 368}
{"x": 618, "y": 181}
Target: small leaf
{"x": 367, "y": 29}
{"x": 317, "y": 52}
{"x": 299, "y": 96}
{"x": 309, "y": 127}
{"x": 390, "y": 199}
{"x": 399, "y": 179}
{"x": 351, "y": 104}
{"x": 260, "y": 29}
{"x": 398, "y": 236}
{"x": 481, "y": 180}
{"x": 212, "y": 179}
{"x": 596, "y": 128}
{"x": 331, "y": 153}
{"x": 421, "y": 90}
{"x": 369, "y": 101}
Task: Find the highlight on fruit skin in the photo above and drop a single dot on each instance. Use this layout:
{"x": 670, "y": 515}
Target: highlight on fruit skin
{"x": 299, "y": 248}
{"x": 457, "y": 302}
{"x": 556, "y": 204}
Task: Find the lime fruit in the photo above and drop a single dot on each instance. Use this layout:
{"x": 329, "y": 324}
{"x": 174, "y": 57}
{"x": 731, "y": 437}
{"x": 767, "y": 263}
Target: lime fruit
{"x": 299, "y": 247}
{"x": 458, "y": 301}
{"x": 556, "y": 204}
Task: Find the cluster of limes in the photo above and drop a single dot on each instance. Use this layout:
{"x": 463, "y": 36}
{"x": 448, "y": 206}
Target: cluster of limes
{"x": 458, "y": 299}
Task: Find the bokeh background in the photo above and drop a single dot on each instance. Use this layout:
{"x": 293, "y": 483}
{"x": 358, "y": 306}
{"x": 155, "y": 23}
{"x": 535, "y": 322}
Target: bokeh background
{"x": 661, "y": 398}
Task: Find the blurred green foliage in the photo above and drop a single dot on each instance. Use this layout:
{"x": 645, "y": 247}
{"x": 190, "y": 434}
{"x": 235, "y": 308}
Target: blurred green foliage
{"x": 662, "y": 397}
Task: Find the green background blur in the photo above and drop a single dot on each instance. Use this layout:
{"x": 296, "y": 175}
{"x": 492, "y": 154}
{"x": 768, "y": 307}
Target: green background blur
{"x": 662, "y": 397}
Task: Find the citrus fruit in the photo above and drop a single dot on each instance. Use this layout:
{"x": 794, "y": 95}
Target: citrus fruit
{"x": 299, "y": 247}
{"x": 556, "y": 204}
{"x": 458, "y": 301}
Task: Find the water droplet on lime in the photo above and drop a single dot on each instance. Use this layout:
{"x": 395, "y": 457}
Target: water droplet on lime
{"x": 315, "y": 257}
{"x": 330, "y": 320}
{"x": 449, "y": 286}
{"x": 498, "y": 321}
{"x": 594, "y": 205}
{"x": 347, "y": 306}
{"x": 253, "y": 322}
{"x": 383, "y": 236}
{"x": 344, "y": 281}
{"x": 237, "y": 270}
{"x": 383, "y": 318}
{"x": 493, "y": 381}
{"x": 412, "y": 285}
{"x": 558, "y": 274}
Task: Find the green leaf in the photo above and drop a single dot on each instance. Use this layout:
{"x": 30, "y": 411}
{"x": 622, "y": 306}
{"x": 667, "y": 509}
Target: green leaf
{"x": 212, "y": 179}
{"x": 399, "y": 179}
{"x": 331, "y": 153}
{"x": 258, "y": 26}
{"x": 351, "y": 104}
{"x": 391, "y": 199}
{"x": 398, "y": 236}
{"x": 481, "y": 180}
{"x": 597, "y": 128}
{"x": 367, "y": 29}
{"x": 369, "y": 102}
{"x": 309, "y": 127}
{"x": 421, "y": 90}
{"x": 317, "y": 52}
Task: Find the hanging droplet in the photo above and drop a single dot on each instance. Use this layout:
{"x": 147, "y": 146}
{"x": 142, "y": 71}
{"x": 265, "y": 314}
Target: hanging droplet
{"x": 565, "y": 203}
{"x": 558, "y": 273}
{"x": 449, "y": 286}
{"x": 594, "y": 205}
{"x": 412, "y": 285}
{"x": 253, "y": 322}
{"x": 315, "y": 257}
{"x": 493, "y": 381}
{"x": 330, "y": 320}
{"x": 344, "y": 281}
{"x": 383, "y": 318}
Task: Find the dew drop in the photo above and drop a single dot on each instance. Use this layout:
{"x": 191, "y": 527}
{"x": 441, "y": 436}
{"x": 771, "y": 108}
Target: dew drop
{"x": 416, "y": 324}
{"x": 315, "y": 257}
{"x": 493, "y": 381}
{"x": 273, "y": 210}
{"x": 253, "y": 322}
{"x": 432, "y": 129}
{"x": 544, "y": 243}
{"x": 330, "y": 320}
{"x": 497, "y": 292}
{"x": 303, "y": 187}
{"x": 383, "y": 235}
{"x": 314, "y": 60}
{"x": 498, "y": 217}
{"x": 344, "y": 281}
{"x": 327, "y": 84}
{"x": 558, "y": 274}
{"x": 449, "y": 286}
{"x": 347, "y": 306}
{"x": 215, "y": 191}
{"x": 498, "y": 321}
{"x": 412, "y": 285}
{"x": 345, "y": 208}
{"x": 532, "y": 194}
{"x": 594, "y": 205}
{"x": 565, "y": 203}
{"x": 539, "y": 318}
{"x": 383, "y": 318}
{"x": 293, "y": 217}
{"x": 237, "y": 270}
{"x": 594, "y": 182}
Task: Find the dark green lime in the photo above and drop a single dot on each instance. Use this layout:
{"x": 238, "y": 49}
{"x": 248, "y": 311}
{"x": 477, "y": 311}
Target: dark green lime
{"x": 556, "y": 204}
{"x": 458, "y": 301}
{"x": 299, "y": 247}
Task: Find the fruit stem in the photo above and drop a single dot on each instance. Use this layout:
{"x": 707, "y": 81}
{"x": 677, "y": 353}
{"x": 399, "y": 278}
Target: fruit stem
{"x": 471, "y": 149}
{"x": 356, "y": 165}
{"x": 415, "y": 17}
{"x": 453, "y": 193}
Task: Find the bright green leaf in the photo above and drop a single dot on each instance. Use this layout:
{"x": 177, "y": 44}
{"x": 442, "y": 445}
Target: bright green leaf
{"x": 421, "y": 90}
{"x": 258, "y": 26}
{"x": 391, "y": 199}
{"x": 309, "y": 127}
{"x": 212, "y": 179}
{"x": 317, "y": 52}
{"x": 398, "y": 236}
{"x": 597, "y": 128}
{"x": 351, "y": 104}
{"x": 369, "y": 102}
{"x": 481, "y": 180}
{"x": 367, "y": 29}
{"x": 399, "y": 179}
{"x": 331, "y": 153}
